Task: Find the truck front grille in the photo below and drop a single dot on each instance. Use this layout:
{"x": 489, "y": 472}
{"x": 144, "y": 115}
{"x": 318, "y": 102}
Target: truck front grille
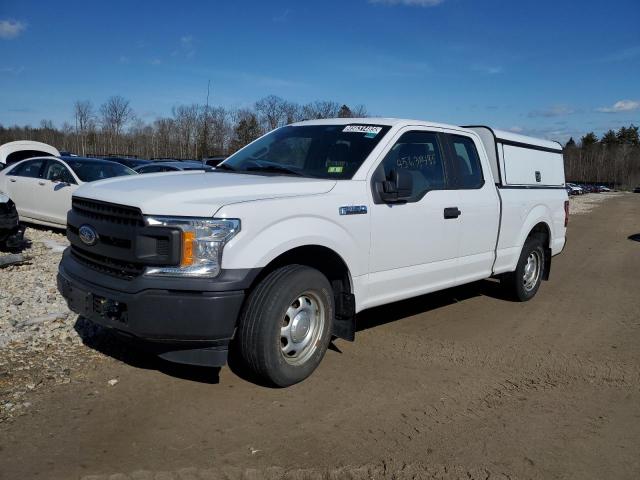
{"x": 108, "y": 212}
{"x": 110, "y": 266}
{"x": 124, "y": 245}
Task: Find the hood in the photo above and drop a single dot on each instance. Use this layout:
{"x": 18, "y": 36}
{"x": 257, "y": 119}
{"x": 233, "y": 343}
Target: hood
{"x": 198, "y": 194}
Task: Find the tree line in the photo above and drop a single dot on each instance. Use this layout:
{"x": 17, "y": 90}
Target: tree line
{"x": 613, "y": 159}
{"x": 196, "y": 131}
{"x": 193, "y": 131}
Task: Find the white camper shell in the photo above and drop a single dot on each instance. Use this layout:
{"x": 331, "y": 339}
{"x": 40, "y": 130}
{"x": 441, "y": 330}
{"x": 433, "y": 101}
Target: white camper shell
{"x": 521, "y": 161}
{"x": 13, "y": 152}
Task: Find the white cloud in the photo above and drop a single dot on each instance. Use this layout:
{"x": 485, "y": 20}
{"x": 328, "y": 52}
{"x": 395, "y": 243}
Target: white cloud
{"x": 409, "y": 3}
{"x": 621, "y": 106}
{"x": 516, "y": 129}
{"x": 11, "y": 28}
{"x": 555, "y": 111}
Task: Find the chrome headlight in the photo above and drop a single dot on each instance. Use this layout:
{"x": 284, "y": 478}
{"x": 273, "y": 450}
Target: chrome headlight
{"x": 202, "y": 241}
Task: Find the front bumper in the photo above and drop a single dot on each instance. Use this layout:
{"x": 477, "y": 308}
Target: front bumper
{"x": 188, "y": 325}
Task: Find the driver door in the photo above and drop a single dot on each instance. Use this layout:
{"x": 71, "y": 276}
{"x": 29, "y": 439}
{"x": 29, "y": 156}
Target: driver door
{"x": 414, "y": 247}
{"x": 57, "y": 187}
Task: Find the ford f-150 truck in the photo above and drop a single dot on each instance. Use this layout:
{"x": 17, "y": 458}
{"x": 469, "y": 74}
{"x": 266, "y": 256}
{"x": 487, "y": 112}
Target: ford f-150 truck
{"x": 276, "y": 251}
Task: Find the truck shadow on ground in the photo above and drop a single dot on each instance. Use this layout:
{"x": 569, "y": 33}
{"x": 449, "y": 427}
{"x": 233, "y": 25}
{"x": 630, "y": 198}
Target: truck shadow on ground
{"x": 139, "y": 355}
{"x": 635, "y": 237}
{"x": 425, "y": 303}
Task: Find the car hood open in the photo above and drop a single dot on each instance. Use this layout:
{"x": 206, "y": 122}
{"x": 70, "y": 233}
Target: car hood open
{"x": 201, "y": 194}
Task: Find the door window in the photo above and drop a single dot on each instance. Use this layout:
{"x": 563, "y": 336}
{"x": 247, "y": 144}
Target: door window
{"x": 419, "y": 154}
{"x": 56, "y": 170}
{"x": 466, "y": 162}
{"x": 30, "y": 169}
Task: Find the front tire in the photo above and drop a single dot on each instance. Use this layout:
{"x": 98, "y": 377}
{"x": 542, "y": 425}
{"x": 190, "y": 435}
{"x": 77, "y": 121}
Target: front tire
{"x": 523, "y": 284}
{"x": 285, "y": 327}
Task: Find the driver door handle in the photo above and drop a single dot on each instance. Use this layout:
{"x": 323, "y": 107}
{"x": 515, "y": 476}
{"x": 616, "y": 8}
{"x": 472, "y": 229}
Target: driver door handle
{"x": 41, "y": 183}
{"x": 12, "y": 180}
{"x": 451, "y": 212}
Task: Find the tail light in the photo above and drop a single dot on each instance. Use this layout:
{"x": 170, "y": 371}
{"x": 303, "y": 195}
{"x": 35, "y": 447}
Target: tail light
{"x": 566, "y": 213}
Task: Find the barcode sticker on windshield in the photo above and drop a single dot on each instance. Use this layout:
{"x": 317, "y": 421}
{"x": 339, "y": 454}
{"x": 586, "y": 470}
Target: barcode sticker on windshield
{"x": 370, "y": 129}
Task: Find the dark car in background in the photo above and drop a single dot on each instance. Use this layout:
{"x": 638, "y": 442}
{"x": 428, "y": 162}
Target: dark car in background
{"x": 171, "y": 166}
{"x": 128, "y": 161}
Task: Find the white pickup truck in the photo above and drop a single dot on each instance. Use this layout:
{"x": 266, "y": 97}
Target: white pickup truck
{"x": 279, "y": 248}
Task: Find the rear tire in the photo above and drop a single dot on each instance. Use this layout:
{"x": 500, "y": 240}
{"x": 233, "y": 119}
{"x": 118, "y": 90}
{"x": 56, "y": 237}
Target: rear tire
{"x": 523, "y": 284}
{"x": 285, "y": 326}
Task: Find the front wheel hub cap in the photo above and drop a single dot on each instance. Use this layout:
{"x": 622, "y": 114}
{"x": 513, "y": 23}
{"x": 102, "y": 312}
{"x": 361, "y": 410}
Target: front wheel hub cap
{"x": 300, "y": 327}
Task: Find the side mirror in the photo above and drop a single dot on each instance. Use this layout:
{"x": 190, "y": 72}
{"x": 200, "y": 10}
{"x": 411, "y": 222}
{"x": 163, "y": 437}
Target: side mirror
{"x": 398, "y": 189}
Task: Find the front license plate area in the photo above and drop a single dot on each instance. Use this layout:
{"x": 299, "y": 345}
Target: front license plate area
{"x": 109, "y": 309}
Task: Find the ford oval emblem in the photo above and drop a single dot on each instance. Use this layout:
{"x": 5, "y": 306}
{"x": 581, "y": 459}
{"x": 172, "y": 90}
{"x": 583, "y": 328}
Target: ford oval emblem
{"x": 88, "y": 235}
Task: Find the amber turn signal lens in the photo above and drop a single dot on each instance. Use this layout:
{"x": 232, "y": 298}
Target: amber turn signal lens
{"x": 188, "y": 240}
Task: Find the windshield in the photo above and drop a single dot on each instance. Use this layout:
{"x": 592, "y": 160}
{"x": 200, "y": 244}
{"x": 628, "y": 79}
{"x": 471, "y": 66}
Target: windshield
{"x": 92, "y": 170}
{"x": 320, "y": 151}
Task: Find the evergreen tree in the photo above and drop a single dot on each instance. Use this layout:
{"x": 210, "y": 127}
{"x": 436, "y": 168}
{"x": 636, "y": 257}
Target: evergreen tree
{"x": 571, "y": 143}
{"x": 345, "y": 112}
{"x": 628, "y": 135}
{"x": 589, "y": 139}
{"x": 609, "y": 138}
{"x": 245, "y": 132}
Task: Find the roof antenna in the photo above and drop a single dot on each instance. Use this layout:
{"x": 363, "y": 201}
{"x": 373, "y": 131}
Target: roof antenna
{"x": 205, "y": 129}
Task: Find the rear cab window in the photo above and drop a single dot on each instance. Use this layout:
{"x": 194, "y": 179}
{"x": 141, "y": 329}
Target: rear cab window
{"x": 466, "y": 162}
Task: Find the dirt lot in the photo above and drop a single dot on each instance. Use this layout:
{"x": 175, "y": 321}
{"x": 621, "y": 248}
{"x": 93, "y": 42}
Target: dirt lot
{"x": 458, "y": 384}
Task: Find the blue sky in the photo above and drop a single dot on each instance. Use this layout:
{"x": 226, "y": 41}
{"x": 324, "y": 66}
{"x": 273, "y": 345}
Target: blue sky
{"x": 547, "y": 68}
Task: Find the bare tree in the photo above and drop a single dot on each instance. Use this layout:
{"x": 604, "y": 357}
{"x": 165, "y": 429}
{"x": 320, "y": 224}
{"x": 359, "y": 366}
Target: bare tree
{"x": 321, "y": 109}
{"x": 359, "y": 111}
{"x": 84, "y": 116}
{"x": 273, "y": 111}
{"x": 186, "y": 118}
{"x": 115, "y": 114}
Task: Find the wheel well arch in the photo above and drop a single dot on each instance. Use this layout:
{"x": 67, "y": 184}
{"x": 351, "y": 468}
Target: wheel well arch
{"x": 331, "y": 265}
{"x": 541, "y": 228}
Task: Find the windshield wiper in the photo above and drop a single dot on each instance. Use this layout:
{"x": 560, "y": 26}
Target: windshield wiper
{"x": 274, "y": 169}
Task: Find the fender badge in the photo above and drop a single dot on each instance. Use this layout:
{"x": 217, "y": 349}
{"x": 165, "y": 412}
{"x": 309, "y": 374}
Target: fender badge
{"x": 353, "y": 210}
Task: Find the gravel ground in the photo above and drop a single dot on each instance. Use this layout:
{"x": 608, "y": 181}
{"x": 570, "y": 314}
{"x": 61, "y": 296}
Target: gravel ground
{"x": 42, "y": 342}
{"x": 40, "y": 338}
{"x": 580, "y": 204}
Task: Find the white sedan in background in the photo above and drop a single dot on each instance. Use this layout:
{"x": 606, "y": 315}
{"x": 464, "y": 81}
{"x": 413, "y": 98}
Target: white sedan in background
{"x": 41, "y": 187}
